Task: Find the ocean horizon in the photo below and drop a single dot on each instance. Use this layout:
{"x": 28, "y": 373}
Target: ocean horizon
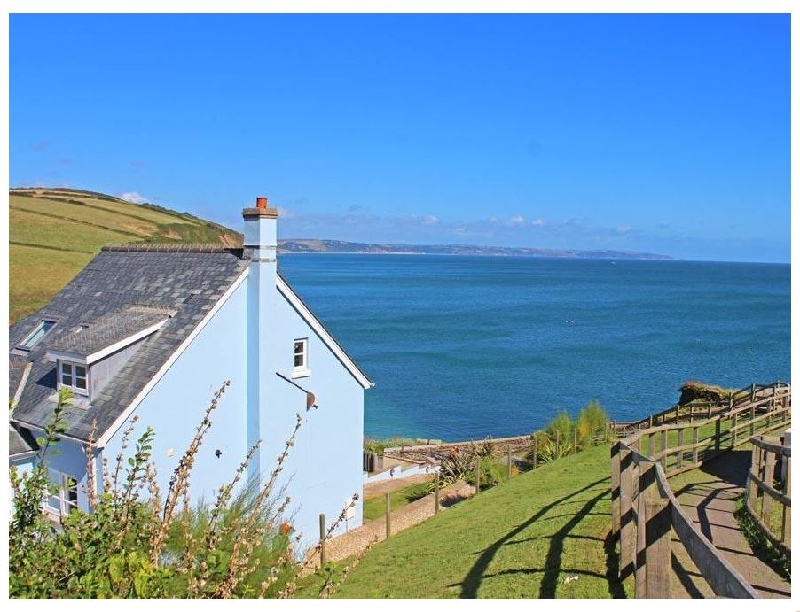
{"x": 466, "y": 347}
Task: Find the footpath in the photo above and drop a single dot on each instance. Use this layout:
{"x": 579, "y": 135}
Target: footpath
{"x": 711, "y": 503}
{"x": 357, "y": 540}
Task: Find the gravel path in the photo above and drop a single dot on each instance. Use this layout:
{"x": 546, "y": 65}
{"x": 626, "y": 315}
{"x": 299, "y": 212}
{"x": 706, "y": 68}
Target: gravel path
{"x": 357, "y": 540}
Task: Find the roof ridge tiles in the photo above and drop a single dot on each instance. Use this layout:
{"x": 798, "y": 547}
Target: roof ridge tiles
{"x": 159, "y": 247}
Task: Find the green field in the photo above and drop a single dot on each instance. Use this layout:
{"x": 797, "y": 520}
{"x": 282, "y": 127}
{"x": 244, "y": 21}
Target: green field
{"x": 53, "y": 233}
{"x": 543, "y": 534}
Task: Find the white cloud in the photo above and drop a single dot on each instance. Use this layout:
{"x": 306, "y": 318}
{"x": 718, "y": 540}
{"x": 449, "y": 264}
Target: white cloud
{"x": 285, "y": 213}
{"x": 428, "y": 220}
{"x": 516, "y": 221}
{"x": 134, "y": 197}
{"x": 623, "y": 229}
{"x": 539, "y": 222}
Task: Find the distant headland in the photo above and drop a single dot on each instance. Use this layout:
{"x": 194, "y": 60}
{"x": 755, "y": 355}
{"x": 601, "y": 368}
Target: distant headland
{"x": 311, "y": 245}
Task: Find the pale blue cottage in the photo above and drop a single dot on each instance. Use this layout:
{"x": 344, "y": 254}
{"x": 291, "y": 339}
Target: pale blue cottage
{"x": 152, "y": 331}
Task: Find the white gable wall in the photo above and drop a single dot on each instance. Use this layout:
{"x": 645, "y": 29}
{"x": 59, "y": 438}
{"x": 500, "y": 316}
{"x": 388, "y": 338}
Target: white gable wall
{"x": 325, "y": 466}
{"x": 177, "y": 403}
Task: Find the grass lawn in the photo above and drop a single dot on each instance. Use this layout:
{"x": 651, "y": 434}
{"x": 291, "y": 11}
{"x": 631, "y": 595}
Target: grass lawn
{"x": 543, "y": 534}
{"x": 106, "y": 218}
{"x": 375, "y": 507}
{"x": 36, "y": 274}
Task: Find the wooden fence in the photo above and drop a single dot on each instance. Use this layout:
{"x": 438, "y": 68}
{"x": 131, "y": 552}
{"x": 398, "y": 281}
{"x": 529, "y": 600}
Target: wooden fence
{"x": 761, "y": 487}
{"x": 644, "y": 509}
{"x": 699, "y": 410}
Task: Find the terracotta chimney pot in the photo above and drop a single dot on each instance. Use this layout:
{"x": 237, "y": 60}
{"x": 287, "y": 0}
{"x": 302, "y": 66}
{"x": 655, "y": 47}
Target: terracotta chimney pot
{"x": 261, "y": 202}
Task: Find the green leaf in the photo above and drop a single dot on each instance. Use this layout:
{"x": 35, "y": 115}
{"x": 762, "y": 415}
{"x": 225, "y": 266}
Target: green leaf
{"x": 116, "y": 566}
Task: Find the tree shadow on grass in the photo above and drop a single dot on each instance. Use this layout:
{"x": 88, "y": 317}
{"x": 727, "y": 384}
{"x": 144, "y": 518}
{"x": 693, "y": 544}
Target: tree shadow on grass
{"x": 473, "y": 579}
{"x": 552, "y": 562}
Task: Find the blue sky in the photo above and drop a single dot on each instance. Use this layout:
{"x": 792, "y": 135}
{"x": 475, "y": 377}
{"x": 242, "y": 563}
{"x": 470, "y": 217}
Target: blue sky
{"x": 660, "y": 133}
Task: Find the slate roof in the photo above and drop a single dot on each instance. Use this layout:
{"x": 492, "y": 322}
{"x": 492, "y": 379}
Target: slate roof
{"x": 136, "y": 282}
{"x": 109, "y": 329}
{"x": 20, "y": 442}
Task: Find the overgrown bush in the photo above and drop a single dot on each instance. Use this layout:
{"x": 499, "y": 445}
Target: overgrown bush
{"x": 459, "y": 464}
{"x": 559, "y": 437}
{"x": 131, "y": 544}
{"x": 375, "y": 446}
{"x": 693, "y": 390}
{"x": 592, "y": 425}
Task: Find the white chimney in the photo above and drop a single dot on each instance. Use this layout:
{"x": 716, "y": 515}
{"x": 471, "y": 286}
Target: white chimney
{"x": 261, "y": 232}
{"x": 261, "y": 248}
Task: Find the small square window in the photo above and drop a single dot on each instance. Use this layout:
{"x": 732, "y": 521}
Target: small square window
{"x": 66, "y": 374}
{"x": 300, "y": 363}
{"x": 74, "y": 376}
{"x": 80, "y": 377}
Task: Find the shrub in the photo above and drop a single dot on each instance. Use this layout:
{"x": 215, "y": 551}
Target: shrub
{"x": 693, "y": 390}
{"x": 592, "y": 425}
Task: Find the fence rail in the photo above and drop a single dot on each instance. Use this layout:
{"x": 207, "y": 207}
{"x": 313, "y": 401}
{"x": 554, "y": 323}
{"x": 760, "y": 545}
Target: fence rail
{"x": 761, "y": 487}
{"x": 644, "y": 509}
{"x": 698, "y": 410}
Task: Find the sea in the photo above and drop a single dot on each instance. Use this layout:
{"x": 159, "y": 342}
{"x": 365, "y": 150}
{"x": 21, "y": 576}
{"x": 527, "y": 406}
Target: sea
{"x": 471, "y": 347}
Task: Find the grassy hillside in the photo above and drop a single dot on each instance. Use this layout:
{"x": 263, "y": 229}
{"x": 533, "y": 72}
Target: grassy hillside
{"x": 543, "y": 534}
{"x": 53, "y": 233}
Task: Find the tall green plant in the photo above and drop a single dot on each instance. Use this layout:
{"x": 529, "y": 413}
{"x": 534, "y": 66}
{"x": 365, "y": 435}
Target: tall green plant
{"x": 592, "y": 425}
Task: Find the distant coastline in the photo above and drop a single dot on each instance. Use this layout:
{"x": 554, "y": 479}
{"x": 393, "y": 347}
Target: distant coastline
{"x": 312, "y": 245}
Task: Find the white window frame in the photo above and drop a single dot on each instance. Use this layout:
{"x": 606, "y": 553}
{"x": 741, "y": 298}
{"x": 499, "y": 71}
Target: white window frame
{"x": 60, "y": 502}
{"x": 73, "y": 376}
{"x": 300, "y": 368}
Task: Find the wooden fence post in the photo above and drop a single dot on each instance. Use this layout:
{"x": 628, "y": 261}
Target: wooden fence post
{"x": 680, "y": 452}
{"x": 477, "y": 475}
{"x": 695, "y": 442}
{"x": 436, "y": 492}
{"x": 321, "y": 540}
{"x": 658, "y": 557}
{"x": 733, "y": 430}
{"x": 653, "y": 569}
{"x": 717, "y": 435}
{"x": 786, "y": 519}
{"x": 663, "y": 449}
{"x": 769, "y": 471}
{"x": 388, "y": 517}
{"x": 629, "y": 482}
{"x": 751, "y": 487}
{"x": 615, "y": 489}
{"x": 640, "y": 575}
{"x": 535, "y": 452}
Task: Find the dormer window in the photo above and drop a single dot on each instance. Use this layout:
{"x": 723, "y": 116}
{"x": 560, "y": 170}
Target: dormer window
{"x": 300, "y": 358}
{"x": 73, "y": 376}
